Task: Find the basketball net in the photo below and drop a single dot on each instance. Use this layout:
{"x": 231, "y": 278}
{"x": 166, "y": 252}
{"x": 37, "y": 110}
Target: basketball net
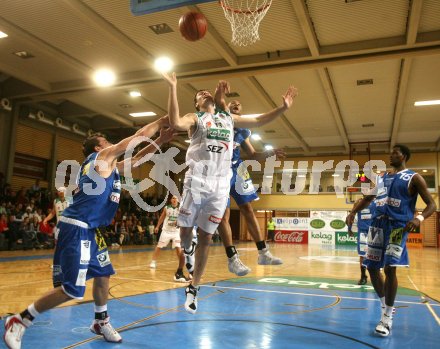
{"x": 245, "y": 17}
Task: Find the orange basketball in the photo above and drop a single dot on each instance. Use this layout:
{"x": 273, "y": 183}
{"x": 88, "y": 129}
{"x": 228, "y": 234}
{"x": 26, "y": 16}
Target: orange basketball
{"x": 193, "y": 26}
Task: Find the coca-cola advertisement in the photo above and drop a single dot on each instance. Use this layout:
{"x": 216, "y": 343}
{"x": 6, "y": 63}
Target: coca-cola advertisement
{"x": 292, "y": 236}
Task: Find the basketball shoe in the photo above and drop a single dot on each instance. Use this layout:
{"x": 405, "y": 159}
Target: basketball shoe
{"x": 191, "y": 299}
{"x": 105, "y": 329}
{"x": 236, "y": 266}
{"x": 266, "y": 258}
{"x": 15, "y": 326}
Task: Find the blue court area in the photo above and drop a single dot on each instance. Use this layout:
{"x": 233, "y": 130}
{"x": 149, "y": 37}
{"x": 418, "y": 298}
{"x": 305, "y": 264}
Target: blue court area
{"x": 270, "y": 312}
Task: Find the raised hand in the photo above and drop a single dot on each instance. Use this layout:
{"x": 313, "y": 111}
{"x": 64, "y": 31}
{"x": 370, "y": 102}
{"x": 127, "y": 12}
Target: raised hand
{"x": 167, "y": 134}
{"x": 170, "y": 79}
{"x": 279, "y": 153}
{"x": 289, "y": 96}
{"x": 223, "y": 86}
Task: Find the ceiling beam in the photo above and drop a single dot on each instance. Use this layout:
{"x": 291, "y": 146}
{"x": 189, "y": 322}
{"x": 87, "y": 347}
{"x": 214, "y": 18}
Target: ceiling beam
{"x": 23, "y": 76}
{"x": 93, "y": 19}
{"x": 216, "y": 40}
{"x": 437, "y": 145}
{"x": 227, "y": 72}
{"x": 257, "y": 89}
{"x": 44, "y": 46}
{"x": 405, "y": 69}
{"x": 334, "y": 106}
{"x": 415, "y": 13}
{"x": 306, "y": 24}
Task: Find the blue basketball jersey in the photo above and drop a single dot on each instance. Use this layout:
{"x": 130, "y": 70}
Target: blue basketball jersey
{"x": 240, "y": 135}
{"x": 365, "y": 217}
{"x": 96, "y": 199}
{"x": 393, "y": 198}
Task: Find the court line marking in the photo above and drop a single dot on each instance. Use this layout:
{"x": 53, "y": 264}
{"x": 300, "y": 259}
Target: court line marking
{"x": 425, "y": 301}
{"x": 311, "y": 294}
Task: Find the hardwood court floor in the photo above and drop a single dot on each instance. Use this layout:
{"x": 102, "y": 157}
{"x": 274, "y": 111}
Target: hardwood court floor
{"x": 26, "y": 275}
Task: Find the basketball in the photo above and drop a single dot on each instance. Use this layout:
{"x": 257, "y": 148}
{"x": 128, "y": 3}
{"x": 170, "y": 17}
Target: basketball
{"x": 193, "y": 26}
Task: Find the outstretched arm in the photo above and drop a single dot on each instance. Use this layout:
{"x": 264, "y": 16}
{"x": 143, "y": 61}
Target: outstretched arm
{"x": 110, "y": 154}
{"x": 177, "y": 122}
{"x": 166, "y": 135}
{"x": 265, "y": 118}
{"x": 220, "y": 93}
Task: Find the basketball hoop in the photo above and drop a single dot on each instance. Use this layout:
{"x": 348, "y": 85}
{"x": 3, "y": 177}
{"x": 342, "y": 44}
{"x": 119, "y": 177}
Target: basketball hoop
{"x": 245, "y": 17}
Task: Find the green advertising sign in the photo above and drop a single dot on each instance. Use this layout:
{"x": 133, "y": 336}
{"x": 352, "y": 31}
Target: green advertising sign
{"x": 317, "y": 223}
{"x": 344, "y": 239}
{"x": 337, "y": 224}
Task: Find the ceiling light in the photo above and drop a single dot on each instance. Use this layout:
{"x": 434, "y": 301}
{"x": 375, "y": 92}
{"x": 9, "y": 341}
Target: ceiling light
{"x": 104, "y": 77}
{"x": 268, "y": 147}
{"x": 301, "y": 176}
{"x": 424, "y": 171}
{"x": 163, "y": 64}
{"x": 431, "y": 102}
{"x": 268, "y": 176}
{"x": 134, "y": 93}
{"x": 144, "y": 113}
{"x": 256, "y": 137}
{"x": 187, "y": 141}
{"x": 3, "y": 35}
{"x": 250, "y": 116}
{"x": 378, "y": 172}
{"x": 335, "y": 175}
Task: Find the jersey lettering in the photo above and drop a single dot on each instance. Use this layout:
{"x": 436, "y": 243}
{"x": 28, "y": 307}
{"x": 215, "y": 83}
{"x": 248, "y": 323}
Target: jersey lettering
{"x": 214, "y": 149}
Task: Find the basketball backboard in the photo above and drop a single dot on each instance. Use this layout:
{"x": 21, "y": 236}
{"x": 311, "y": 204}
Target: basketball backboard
{"x": 141, "y": 7}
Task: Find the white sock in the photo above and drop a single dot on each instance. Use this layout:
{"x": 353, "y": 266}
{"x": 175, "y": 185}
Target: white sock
{"x": 31, "y": 309}
{"x": 382, "y": 301}
{"x": 100, "y": 308}
{"x": 389, "y": 311}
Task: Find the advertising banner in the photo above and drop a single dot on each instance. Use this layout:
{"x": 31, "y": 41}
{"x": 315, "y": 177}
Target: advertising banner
{"x": 344, "y": 239}
{"x": 291, "y": 237}
{"x": 323, "y": 238}
{"x": 291, "y": 223}
{"x": 415, "y": 240}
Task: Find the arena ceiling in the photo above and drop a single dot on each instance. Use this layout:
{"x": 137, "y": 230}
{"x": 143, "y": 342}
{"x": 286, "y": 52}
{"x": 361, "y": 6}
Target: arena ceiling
{"x": 359, "y": 66}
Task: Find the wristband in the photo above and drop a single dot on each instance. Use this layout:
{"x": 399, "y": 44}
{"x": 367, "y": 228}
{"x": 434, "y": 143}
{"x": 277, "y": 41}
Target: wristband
{"x": 420, "y": 218}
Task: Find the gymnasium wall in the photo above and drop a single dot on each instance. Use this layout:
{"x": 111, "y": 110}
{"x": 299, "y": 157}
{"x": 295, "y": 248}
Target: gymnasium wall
{"x": 5, "y": 126}
{"x": 53, "y": 146}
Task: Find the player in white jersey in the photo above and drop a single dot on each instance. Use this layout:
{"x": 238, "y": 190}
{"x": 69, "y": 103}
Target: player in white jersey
{"x": 59, "y": 205}
{"x": 207, "y": 181}
{"x": 170, "y": 233}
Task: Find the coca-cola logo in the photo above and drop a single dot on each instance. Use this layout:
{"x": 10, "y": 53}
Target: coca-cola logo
{"x": 292, "y": 237}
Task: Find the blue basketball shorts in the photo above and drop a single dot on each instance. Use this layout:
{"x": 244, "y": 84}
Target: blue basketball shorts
{"x": 81, "y": 254}
{"x": 386, "y": 242}
{"x": 242, "y": 189}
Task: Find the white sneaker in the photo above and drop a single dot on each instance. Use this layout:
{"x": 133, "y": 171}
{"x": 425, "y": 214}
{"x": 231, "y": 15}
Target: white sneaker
{"x": 153, "y": 265}
{"x": 383, "y": 328}
{"x": 191, "y": 299}
{"x": 237, "y": 267}
{"x": 105, "y": 329}
{"x": 15, "y": 327}
{"x": 266, "y": 258}
{"x": 190, "y": 257}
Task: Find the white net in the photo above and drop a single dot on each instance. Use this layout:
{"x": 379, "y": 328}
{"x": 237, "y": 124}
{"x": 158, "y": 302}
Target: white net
{"x": 245, "y": 17}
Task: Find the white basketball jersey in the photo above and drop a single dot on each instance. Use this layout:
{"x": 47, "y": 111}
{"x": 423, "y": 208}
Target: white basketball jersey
{"x": 59, "y": 207}
{"x": 210, "y": 151}
{"x": 170, "y": 222}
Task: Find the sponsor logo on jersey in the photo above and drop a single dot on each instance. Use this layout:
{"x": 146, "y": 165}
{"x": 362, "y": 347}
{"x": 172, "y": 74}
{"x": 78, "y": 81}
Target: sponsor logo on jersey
{"x": 103, "y": 259}
{"x": 81, "y": 278}
{"x": 117, "y": 185}
{"x": 219, "y": 134}
{"x": 393, "y": 202}
{"x": 85, "y": 252}
{"x": 366, "y": 216}
{"x": 214, "y": 219}
{"x": 214, "y": 149}
{"x": 184, "y": 211}
{"x": 374, "y": 254}
{"x": 115, "y": 197}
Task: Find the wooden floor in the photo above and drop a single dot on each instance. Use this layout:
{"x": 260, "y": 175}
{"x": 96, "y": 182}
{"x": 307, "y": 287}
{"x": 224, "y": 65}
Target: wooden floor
{"x": 24, "y": 278}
